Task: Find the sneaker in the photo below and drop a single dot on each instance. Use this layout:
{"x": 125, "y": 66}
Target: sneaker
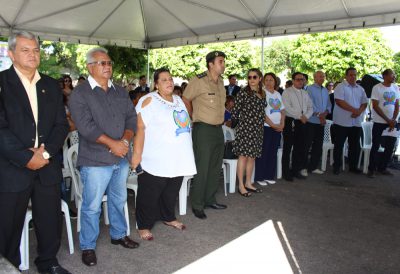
{"x": 317, "y": 171}
{"x": 262, "y": 183}
{"x": 304, "y": 172}
{"x": 270, "y": 182}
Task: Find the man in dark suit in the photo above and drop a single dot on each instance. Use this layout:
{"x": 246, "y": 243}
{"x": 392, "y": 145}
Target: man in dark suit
{"x": 33, "y": 128}
{"x": 232, "y": 89}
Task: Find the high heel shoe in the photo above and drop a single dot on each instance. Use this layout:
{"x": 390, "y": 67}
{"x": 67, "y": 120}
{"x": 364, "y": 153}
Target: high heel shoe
{"x": 246, "y": 194}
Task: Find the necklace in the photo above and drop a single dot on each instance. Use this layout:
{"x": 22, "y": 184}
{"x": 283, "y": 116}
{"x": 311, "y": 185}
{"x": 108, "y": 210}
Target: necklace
{"x": 173, "y": 104}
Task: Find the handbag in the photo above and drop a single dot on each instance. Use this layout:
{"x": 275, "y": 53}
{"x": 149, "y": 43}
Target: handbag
{"x": 228, "y": 151}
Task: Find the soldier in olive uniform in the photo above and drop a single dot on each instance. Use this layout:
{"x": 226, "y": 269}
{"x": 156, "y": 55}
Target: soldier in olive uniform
{"x": 205, "y": 100}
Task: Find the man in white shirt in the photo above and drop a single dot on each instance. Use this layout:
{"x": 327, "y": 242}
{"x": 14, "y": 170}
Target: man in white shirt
{"x": 385, "y": 109}
{"x": 351, "y": 102}
{"x": 299, "y": 108}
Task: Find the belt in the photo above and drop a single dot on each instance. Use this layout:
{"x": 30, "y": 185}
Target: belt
{"x": 205, "y": 124}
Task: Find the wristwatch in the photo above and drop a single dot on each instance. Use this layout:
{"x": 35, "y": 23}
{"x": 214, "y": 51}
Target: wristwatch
{"x": 46, "y": 155}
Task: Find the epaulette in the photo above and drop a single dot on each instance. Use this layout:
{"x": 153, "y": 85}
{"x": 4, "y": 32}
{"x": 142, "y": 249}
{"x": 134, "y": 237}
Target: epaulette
{"x": 202, "y": 75}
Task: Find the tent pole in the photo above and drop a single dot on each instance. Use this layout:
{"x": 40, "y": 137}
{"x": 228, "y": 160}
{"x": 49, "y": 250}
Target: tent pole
{"x": 262, "y": 52}
{"x": 148, "y": 67}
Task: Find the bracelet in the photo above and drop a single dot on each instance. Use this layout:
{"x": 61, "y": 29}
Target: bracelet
{"x": 125, "y": 142}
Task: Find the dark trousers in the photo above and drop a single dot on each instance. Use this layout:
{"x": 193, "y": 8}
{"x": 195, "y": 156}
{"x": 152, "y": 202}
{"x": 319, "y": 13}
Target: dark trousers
{"x": 294, "y": 135}
{"x": 266, "y": 164}
{"x": 353, "y": 135}
{"x": 376, "y": 162}
{"x": 208, "y": 147}
{"x": 315, "y": 139}
{"x": 46, "y": 216}
{"x": 156, "y": 199}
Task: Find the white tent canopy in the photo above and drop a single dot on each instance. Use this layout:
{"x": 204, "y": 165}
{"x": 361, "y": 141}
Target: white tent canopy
{"x": 166, "y": 23}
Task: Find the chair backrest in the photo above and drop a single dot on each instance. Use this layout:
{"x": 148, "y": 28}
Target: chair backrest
{"x": 367, "y": 133}
{"x": 72, "y": 157}
{"x": 327, "y": 132}
{"x": 229, "y": 134}
{"x": 65, "y": 151}
{"x": 73, "y": 137}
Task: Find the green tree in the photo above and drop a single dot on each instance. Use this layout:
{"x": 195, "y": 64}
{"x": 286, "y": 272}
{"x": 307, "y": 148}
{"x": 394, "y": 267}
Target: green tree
{"x": 277, "y": 56}
{"x": 187, "y": 61}
{"x": 333, "y": 52}
{"x": 396, "y": 66}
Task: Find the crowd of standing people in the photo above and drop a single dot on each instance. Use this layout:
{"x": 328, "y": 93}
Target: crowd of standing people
{"x": 175, "y": 132}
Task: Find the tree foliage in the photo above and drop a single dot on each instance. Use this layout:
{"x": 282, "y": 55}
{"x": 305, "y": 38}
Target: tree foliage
{"x": 277, "y": 56}
{"x": 187, "y": 61}
{"x": 396, "y": 66}
{"x": 333, "y": 52}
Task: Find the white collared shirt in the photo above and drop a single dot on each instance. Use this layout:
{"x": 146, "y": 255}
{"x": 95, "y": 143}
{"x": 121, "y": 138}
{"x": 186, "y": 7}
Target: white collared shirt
{"x": 93, "y": 83}
{"x": 30, "y": 88}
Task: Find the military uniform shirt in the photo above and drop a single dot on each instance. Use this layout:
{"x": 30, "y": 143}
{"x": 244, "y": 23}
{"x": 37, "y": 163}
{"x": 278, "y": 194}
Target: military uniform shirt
{"x": 208, "y": 99}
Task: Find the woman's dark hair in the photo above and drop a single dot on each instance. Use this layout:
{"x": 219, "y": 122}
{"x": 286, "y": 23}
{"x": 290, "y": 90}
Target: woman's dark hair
{"x": 260, "y": 85}
{"x": 65, "y": 76}
{"x": 274, "y": 77}
{"x": 156, "y": 76}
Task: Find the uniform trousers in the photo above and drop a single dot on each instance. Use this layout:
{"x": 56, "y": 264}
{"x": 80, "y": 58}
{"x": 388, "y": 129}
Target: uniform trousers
{"x": 47, "y": 221}
{"x": 375, "y": 162}
{"x": 208, "y": 147}
{"x": 353, "y": 134}
{"x": 156, "y": 199}
{"x": 266, "y": 164}
{"x": 315, "y": 140}
{"x": 294, "y": 136}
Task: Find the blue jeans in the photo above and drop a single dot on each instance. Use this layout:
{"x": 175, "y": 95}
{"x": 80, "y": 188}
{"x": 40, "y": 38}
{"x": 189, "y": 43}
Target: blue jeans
{"x": 97, "y": 181}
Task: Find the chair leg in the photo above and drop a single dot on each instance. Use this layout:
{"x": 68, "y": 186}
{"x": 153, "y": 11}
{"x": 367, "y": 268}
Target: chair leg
{"x": 279, "y": 164}
{"x": 366, "y": 160}
{"x": 105, "y": 213}
{"x": 225, "y": 182}
{"x": 65, "y": 209}
{"x": 24, "y": 245}
{"x": 78, "y": 222}
{"x": 128, "y": 228}
{"x": 183, "y": 196}
{"x": 232, "y": 176}
{"x": 324, "y": 159}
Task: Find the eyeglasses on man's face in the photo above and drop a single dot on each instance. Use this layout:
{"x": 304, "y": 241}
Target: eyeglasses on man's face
{"x": 299, "y": 79}
{"x": 102, "y": 63}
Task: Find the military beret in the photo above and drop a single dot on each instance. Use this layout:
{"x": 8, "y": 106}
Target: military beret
{"x": 211, "y": 56}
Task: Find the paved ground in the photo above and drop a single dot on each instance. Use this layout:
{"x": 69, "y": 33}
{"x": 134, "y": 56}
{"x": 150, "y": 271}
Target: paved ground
{"x": 334, "y": 224}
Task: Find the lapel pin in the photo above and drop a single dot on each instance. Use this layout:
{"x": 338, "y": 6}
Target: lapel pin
{"x": 43, "y": 91}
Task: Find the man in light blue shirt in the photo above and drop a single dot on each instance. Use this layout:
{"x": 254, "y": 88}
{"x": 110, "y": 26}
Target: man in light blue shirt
{"x": 315, "y": 125}
{"x": 350, "y": 104}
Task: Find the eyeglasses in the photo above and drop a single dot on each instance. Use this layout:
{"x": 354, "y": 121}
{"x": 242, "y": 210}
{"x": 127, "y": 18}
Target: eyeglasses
{"x": 252, "y": 77}
{"x": 299, "y": 79}
{"x": 67, "y": 80}
{"x": 102, "y": 63}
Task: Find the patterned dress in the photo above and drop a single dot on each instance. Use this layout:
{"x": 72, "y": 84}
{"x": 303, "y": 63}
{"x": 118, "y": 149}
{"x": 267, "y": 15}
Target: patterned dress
{"x": 249, "y": 111}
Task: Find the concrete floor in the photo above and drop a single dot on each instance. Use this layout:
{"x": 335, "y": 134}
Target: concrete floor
{"x": 334, "y": 224}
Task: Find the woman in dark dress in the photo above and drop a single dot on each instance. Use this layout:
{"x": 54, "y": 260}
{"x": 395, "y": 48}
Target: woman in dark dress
{"x": 249, "y": 112}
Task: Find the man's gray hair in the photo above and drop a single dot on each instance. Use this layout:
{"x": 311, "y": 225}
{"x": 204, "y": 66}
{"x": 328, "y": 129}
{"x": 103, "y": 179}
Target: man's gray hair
{"x": 12, "y": 40}
{"x": 91, "y": 52}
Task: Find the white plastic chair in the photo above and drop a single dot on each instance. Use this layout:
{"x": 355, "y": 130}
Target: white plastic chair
{"x": 24, "y": 245}
{"x": 185, "y": 189}
{"x": 231, "y": 164}
{"x": 279, "y": 160}
{"x": 329, "y": 146}
{"x": 366, "y": 145}
{"x": 76, "y": 180}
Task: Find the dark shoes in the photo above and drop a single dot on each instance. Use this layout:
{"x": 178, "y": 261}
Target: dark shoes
{"x": 89, "y": 257}
{"x": 56, "y": 269}
{"x": 370, "y": 174}
{"x": 216, "y": 206}
{"x": 385, "y": 172}
{"x": 125, "y": 242}
{"x": 256, "y": 190}
{"x": 299, "y": 176}
{"x": 355, "y": 170}
{"x": 199, "y": 214}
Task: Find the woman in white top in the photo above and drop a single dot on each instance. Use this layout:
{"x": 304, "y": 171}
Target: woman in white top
{"x": 274, "y": 123}
{"x": 163, "y": 147}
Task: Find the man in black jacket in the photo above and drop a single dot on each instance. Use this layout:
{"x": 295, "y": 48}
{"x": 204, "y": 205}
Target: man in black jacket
{"x": 232, "y": 89}
{"x": 33, "y": 127}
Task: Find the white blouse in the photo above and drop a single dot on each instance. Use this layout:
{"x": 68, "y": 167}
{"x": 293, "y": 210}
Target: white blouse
{"x": 168, "y": 149}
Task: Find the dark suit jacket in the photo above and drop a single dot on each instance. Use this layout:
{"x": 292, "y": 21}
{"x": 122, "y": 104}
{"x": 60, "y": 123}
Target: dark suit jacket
{"x": 18, "y": 131}
{"x": 235, "y": 91}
